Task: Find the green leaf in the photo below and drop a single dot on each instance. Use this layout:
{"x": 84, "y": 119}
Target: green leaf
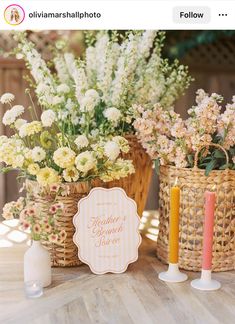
{"x": 157, "y": 165}
{"x": 207, "y": 158}
{"x": 219, "y": 154}
{"x": 225, "y": 166}
{"x": 191, "y": 159}
{"x": 203, "y": 165}
{"x": 6, "y": 169}
{"x": 210, "y": 166}
{"x": 232, "y": 151}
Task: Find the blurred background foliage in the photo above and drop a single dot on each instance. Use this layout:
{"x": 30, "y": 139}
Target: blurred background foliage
{"x": 178, "y": 44}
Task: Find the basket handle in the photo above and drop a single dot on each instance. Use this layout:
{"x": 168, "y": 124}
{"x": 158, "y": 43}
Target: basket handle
{"x": 207, "y": 145}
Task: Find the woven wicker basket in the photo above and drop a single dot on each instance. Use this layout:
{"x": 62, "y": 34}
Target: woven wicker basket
{"x": 65, "y": 255}
{"x": 135, "y": 185}
{"x": 194, "y": 183}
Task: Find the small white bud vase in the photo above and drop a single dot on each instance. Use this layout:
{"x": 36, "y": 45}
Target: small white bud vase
{"x": 37, "y": 264}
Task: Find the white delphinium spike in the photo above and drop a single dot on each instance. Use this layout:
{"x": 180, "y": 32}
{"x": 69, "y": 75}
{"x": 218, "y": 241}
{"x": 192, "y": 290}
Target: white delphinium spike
{"x": 151, "y": 79}
{"x": 91, "y": 65}
{"x": 38, "y": 66}
{"x": 101, "y": 48}
{"x": 104, "y": 84}
{"x": 39, "y": 70}
{"x": 126, "y": 65}
{"x": 146, "y": 43}
{"x": 61, "y": 69}
{"x": 78, "y": 74}
{"x": 70, "y": 63}
{"x": 81, "y": 83}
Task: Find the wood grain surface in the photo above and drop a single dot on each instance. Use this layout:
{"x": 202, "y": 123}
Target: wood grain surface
{"x": 137, "y": 296}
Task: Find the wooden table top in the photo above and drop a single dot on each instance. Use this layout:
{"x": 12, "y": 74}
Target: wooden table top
{"x": 136, "y": 296}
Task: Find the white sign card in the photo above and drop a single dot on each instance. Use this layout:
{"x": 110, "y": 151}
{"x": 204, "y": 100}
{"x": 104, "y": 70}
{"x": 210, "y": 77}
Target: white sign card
{"x": 107, "y": 230}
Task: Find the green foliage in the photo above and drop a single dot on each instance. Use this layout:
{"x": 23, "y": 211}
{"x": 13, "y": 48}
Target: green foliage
{"x": 157, "y": 165}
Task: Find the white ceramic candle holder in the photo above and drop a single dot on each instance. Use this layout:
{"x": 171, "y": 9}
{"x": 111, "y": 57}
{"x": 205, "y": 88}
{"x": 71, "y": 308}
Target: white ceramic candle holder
{"x": 205, "y": 282}
{"x": 33, "y": 289}
{"x": 173, "y": 274}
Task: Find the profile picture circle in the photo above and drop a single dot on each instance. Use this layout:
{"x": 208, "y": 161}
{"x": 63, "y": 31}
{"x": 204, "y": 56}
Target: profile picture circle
{"x": 14, "y": 14}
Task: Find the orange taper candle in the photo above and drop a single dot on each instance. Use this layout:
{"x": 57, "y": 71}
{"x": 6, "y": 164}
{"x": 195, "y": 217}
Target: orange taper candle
{"x": 174, "y": 224}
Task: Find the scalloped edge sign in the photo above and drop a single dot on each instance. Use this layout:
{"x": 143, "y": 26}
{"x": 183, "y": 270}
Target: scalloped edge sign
{"x": 107, "y": 230}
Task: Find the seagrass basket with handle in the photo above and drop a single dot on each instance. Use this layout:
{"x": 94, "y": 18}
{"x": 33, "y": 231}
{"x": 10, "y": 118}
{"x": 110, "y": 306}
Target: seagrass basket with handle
{"x": 65, "y": 254}
{"x": 193, "y": 183}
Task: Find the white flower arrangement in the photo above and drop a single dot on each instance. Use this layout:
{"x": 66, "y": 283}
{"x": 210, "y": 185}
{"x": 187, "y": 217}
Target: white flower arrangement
{"x": 99, "y": 91}
{"x": 43, "y": 151}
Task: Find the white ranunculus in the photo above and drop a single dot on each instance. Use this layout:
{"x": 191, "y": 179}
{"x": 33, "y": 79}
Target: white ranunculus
{"x": 85, "y": 161}
{"x": 71, "y": 174}
{"x": 81, "y": 141}
{"x": 48, "y": 117}
{"x": 64, "y": 157}
{"x": 38, "y": 154}
{"x": 112, "y": 114}
{"x": 111, "y": 150}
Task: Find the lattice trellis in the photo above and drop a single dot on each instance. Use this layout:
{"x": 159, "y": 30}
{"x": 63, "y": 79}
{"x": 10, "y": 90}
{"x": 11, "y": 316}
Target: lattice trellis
{"x": 43, "y": 41}
{"x": 219, "y": 55}
{"x": 215, "y": 52}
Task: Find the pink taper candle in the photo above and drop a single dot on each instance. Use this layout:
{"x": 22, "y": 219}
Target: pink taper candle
{"x": 208, "y": 230}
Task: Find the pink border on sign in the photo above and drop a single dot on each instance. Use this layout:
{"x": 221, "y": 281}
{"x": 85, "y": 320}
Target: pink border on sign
{"x": 16, "y": 5}
{"x": 137, "y": 231}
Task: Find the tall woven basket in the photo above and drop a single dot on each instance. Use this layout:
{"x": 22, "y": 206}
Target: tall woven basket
{"x": 135, "y": 185}
{"x": 193, "y": 183}
{"x": 65, "y": 255}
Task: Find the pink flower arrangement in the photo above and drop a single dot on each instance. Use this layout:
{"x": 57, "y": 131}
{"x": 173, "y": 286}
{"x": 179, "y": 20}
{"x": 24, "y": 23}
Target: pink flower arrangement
{"x": 170, "y": 140}
{"x": 41, "y": 223}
